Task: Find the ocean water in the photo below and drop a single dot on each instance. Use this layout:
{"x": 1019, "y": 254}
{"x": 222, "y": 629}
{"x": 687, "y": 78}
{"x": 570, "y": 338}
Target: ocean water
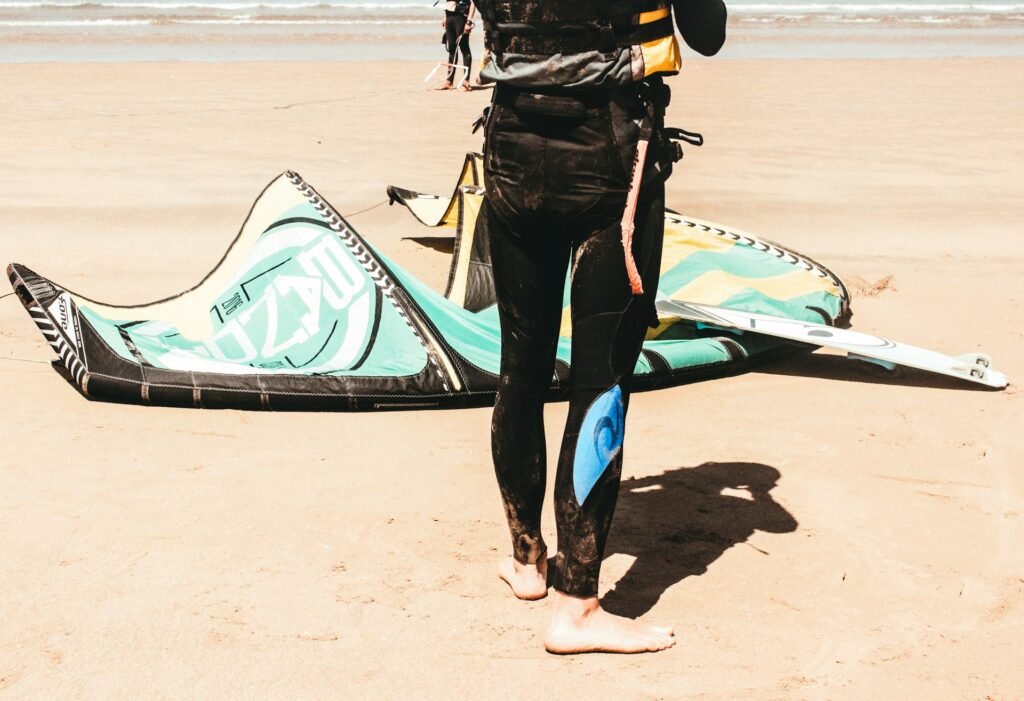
{"x": 219, "y": 30}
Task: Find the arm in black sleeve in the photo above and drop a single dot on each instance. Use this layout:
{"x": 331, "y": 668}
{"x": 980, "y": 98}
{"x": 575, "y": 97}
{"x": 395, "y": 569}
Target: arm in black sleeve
{"x": 702, "y": 24}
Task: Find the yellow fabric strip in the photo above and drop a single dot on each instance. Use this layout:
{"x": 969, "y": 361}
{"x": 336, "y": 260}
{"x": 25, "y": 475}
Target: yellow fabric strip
{"x": 470, "y": 210}
{"x": 661, "y": 55}
{"x": 716, "y": 286}
{"x": 653, "y": 15}
{"x": 682, "y": 241}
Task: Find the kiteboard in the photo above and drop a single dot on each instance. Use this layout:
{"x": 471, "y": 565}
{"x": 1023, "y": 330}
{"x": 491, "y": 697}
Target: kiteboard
{"x": 973, "y": 367}
{"x": 462, "y": 71}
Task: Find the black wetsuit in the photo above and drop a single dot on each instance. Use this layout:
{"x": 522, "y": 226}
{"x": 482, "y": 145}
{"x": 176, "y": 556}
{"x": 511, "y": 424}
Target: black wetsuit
{"x": 557, "y": 168}
{"x": 556, "y": 189}
{"x": 455, "y": 36}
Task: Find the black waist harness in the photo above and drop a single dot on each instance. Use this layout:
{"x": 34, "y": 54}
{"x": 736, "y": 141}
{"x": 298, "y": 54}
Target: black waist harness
{"x": 651, "y": 95}
{"x": 545, "y": 29}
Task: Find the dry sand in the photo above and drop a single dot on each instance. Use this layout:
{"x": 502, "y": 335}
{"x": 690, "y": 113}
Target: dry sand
{"x": 162, "y": 553}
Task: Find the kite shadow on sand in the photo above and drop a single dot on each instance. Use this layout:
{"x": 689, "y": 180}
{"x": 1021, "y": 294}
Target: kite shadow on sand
{"x": 441, "y": 244}
{"x": 838, "y": 368}
{"x": 677, "y": 523}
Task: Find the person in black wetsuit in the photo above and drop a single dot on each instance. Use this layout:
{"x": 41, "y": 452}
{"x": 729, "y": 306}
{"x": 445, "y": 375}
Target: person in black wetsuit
{"x": 458, "y": 23}
{"x": 575, "y": 159}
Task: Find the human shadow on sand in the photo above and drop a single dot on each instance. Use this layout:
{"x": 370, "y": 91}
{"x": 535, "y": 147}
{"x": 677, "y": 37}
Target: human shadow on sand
{"x": 677, "y": 523}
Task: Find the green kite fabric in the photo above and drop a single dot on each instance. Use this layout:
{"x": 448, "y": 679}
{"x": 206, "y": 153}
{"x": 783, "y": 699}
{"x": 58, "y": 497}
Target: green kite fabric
{"x": 303, "y": 313}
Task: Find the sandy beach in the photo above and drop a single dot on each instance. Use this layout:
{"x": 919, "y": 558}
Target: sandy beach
{"x": 816, "y": 529}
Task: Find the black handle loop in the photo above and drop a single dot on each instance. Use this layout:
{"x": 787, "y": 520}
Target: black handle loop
{"x": 690, "y": 137}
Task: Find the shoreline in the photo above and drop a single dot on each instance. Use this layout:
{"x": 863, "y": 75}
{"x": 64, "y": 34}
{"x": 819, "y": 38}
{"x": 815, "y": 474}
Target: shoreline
{"x": 329, "y": 43}
{"x": 1010, "y": 48}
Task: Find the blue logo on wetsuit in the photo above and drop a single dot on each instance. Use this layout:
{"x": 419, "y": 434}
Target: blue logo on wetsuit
{"x": 599, "y": 441}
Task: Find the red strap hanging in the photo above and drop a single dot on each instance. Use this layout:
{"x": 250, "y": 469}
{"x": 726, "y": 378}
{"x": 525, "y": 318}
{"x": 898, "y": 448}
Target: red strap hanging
{"x": 629, "y": 216}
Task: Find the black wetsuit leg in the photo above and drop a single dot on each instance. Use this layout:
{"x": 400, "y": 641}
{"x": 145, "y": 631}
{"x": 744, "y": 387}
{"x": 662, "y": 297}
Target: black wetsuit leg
{"x": 608, "y": 329}
{"x": 456, "y": 39}
{"x": 556, "y": 189}
{"x": 529, "y": 274}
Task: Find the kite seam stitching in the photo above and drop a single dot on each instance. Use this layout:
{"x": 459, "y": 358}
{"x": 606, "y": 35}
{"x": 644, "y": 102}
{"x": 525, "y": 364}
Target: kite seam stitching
{"x": 372, "y": 268}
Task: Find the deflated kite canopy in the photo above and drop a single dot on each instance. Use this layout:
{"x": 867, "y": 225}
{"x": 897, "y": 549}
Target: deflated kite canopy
{"x": 303, "y": 313}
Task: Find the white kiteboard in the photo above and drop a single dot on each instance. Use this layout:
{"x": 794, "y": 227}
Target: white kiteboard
{"x": 973, "y": 367}
{"x": 461, "y": 71}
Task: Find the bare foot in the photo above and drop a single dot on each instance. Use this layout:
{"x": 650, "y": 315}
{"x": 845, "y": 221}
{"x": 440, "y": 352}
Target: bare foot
{"x": 446, "y": 85}
{"x": 581, "y": 625}
{"x": 528, "y": 582}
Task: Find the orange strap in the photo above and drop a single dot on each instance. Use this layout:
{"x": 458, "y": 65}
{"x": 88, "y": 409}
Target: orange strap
{"x": 629, "y": 216}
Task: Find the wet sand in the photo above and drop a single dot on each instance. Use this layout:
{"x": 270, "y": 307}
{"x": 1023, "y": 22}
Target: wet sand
{"x": 815, "y": 529}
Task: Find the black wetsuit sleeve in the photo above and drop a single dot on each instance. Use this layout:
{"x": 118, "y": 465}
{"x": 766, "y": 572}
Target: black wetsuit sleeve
{"x": 702, "y": 24}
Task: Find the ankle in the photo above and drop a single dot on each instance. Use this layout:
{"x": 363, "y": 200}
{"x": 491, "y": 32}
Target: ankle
{"x": 528, "y": 567}
{"x": 573, "y": 608}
